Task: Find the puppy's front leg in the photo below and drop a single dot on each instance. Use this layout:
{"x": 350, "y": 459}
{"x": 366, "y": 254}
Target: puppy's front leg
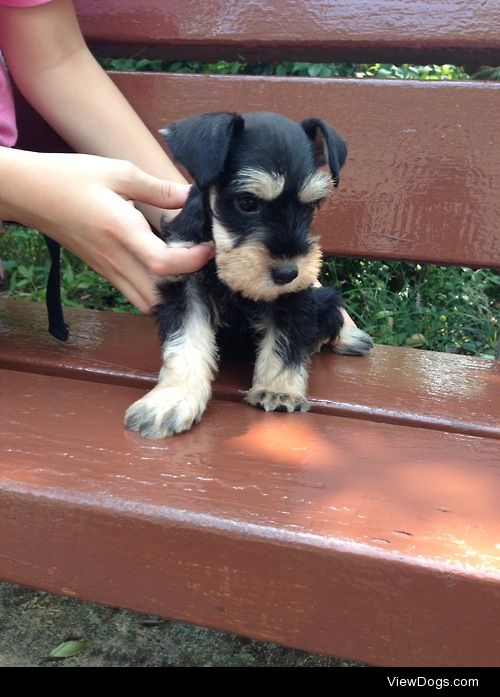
{"x": 280, "y": 375}
{"x": 189, "y": 356}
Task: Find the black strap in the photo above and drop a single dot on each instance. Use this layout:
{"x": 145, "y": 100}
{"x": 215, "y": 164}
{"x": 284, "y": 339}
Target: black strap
{"x": 57, "y": 325}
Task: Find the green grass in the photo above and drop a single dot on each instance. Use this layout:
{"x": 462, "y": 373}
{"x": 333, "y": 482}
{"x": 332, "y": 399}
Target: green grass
{"x": 26, "y": 263}
{"x": 442, "y": 308}
{"x": 400, "y": 304}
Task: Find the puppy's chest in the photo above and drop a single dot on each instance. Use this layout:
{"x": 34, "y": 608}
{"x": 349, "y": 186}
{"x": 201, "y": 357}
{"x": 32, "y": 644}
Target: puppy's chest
{"x": 233, "y": 316}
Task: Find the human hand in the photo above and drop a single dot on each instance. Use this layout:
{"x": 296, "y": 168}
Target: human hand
{"x": 85, "y": 203}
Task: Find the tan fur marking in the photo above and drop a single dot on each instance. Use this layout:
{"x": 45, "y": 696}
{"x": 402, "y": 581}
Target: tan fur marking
{"x": 276, "y": 386}
{"x": 264, "y": 185}
{"x": 272, "y": 375}
{"x": 247, "y": 268}
{"x": 315, "y": 187}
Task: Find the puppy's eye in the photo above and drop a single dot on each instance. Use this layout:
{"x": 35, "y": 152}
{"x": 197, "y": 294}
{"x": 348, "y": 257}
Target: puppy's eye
{"x": 247, "y": 204}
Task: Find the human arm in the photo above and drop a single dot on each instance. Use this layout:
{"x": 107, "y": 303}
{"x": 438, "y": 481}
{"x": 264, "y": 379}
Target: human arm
{"x": 84, "y": 202}
{"x": 52, "y": 66}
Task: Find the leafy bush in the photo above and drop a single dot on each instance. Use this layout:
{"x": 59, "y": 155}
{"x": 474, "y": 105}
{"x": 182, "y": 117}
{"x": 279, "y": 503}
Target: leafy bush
{"x": 425, "y": 306}
{"x": 26, "y": 263}
{"x": 301, "y": 69}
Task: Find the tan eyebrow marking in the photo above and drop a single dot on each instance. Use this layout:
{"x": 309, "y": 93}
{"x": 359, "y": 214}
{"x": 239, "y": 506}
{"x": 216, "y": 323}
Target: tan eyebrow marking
{"x": 264, "y": 185}
{"x": 316, "y": 186}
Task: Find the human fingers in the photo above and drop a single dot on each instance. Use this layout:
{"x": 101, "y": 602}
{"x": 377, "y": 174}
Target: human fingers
{"x": 137, "y": 282}
{"x": 181, "y": 259}
{"x": 138, "y": 185}
{"x": 161, "y": 260}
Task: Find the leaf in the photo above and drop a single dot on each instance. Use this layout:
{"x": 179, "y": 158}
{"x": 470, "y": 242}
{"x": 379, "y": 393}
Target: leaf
{"x": 315, "y": 69}
{"x": 281, "y": 69}
{"x": 68, "y": 649}
{"x": 27, "y": 273}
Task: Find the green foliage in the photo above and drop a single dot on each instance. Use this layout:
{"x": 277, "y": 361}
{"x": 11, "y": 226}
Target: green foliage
{"x": 26, "y": 263}
{"x": 487, "y": 72}
{"x": 300, "y": 69}
{"x": 426, "y": 306}
{"x": 433, "y": 307}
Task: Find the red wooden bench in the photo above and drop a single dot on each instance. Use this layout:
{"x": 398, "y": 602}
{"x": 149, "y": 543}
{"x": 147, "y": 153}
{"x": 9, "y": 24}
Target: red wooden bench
{"x": 368, "y": 528}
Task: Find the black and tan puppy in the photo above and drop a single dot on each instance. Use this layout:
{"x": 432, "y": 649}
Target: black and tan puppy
{"x": 258, "y": 179}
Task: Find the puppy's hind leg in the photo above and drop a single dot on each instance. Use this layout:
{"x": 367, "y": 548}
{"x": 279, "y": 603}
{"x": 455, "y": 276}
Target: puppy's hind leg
{"x": 347, "y": 339}
{"x": 189, "y": 364}
{"x": 352, "y": 342}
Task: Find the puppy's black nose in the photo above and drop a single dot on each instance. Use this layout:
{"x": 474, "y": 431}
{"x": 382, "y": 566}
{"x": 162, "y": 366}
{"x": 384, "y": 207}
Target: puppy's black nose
{"x": 284, "y": 274}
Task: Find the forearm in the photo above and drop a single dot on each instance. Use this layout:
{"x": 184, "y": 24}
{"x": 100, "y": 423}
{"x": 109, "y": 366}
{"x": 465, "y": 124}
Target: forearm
{"x": 23, "y": 187}
{"x": 98, "y": 120}
{"x": 84, "y": 203}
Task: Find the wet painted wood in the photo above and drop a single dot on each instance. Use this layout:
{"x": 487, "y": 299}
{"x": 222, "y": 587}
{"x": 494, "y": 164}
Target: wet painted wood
{"x": 455, "y": 31}
{"x": 422, "y": 181}
{"x": 316, "y": 532}
{"x": 395, "y": 385}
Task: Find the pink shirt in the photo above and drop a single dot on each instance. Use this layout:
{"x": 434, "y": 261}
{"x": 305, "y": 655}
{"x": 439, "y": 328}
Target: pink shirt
{"x": 8, "y": 131}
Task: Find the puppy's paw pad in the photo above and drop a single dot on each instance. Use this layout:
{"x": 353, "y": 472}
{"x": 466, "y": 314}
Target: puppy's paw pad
{"x": 276, "y": 401}
{"x": 353, "y": 342}
{"x": 163, "y": 412}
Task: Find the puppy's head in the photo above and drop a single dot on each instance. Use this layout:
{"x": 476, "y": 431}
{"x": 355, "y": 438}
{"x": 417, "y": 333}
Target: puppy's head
{"x": 262, "y": 176}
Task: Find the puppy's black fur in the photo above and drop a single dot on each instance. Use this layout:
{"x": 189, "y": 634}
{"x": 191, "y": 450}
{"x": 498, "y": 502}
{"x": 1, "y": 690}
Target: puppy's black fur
{"x": 258, "y": 179}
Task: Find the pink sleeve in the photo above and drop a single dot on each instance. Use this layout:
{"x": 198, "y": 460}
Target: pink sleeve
{"x": 23, "y": 3}
{"x": 8, "y": 131}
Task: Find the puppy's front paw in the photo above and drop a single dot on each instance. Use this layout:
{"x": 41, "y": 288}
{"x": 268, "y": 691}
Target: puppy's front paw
{"x": 276, "y": 401}
{"x": 163, "y": 412}
{"x": 353, "y": 342}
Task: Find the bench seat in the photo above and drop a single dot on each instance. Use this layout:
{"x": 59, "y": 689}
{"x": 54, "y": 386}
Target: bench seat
{"x": 395, "y": 385}
{"x": 338, "y": 535}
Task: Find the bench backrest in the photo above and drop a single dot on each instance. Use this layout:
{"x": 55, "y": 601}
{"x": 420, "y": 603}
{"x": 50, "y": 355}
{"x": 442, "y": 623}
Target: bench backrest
{"x": 422, "y": 180}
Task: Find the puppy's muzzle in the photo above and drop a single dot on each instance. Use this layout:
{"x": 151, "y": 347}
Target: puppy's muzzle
{"x": 282, "y": 275}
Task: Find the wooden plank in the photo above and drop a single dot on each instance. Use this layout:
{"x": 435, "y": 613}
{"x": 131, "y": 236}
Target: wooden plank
{"x": 422, "y": 179}
{"x": 358, "y": 539}
{"x": 395, "y": 385}
{"x": 346, "y": 30}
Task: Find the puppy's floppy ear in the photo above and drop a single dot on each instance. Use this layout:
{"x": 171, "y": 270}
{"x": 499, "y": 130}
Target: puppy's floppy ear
{"x": 201, "y": 143}
{"x": 329, "y": 147}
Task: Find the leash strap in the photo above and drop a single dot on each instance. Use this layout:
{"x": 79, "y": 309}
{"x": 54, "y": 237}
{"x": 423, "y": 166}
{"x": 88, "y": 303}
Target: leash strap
{"x": 57, "y": 325}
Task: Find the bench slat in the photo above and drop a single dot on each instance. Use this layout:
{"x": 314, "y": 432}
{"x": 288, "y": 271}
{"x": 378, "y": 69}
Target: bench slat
{"x": 346, "y": 30}
{"x": 422, "y": 179}
{"x": 316, "y": 532}
{"x": 395, "y": 385}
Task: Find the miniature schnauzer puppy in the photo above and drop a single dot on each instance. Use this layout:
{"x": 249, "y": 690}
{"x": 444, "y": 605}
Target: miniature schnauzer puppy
{"x": 258, "y": 178}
